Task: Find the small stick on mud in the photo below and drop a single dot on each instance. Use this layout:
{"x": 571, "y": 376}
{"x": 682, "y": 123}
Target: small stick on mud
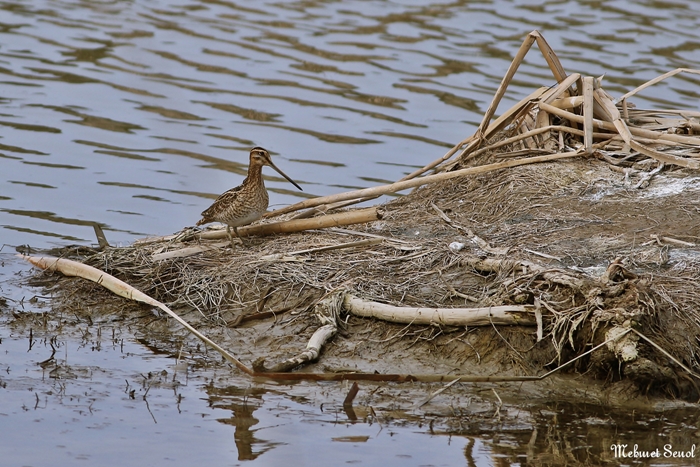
{"x": 498, "y": 407}
{"x": 663, "y": 351}
{"x": 432, "y": 395}
{"x": 101, "y": 238}
{"x": 360, "y": 243}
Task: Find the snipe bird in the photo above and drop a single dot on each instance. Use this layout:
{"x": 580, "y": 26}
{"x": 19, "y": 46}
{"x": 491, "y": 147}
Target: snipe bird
{"x": 247, "y": 202}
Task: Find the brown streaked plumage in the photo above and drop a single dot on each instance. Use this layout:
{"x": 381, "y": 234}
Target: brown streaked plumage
{"x": 247, "y": 202}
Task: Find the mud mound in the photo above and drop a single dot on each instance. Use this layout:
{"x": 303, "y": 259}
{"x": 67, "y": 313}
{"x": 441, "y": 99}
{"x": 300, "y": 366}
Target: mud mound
{"x": 571, "y": 207}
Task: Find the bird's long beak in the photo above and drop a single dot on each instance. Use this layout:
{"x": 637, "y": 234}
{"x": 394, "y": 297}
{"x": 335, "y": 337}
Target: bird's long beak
{"x": 284, "y": 175}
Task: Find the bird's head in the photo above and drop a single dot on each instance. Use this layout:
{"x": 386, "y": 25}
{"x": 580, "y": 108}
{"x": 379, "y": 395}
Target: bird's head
{"x": 261, "y": 156}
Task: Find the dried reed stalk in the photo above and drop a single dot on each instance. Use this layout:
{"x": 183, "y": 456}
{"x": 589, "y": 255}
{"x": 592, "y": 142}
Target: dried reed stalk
{"x": 656, "y": 80}
{"x": 358, "y": 216}
{"x": 620, "y": 127}
{"x": 588, "y": 114}
{"x": 400, "y": 186}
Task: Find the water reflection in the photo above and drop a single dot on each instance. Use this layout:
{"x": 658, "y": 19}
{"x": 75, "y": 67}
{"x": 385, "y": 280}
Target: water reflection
{"x": 242, "y": 403}
{"x": 94, "y": 388}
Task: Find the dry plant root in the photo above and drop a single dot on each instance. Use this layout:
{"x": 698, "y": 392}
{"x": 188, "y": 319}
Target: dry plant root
{"x": 327, "y": 310}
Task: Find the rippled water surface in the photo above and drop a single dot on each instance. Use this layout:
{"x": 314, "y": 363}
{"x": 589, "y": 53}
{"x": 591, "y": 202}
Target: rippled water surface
{"x": 136, "y": 114}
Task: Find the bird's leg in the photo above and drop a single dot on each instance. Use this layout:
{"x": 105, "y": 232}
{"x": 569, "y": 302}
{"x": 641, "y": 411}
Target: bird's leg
{"x": 230, "y": 238}
{"x": 235, "y": 229}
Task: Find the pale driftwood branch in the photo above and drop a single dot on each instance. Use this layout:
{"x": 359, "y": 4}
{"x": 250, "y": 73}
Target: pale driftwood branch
{"x": 327, "y": 311}
{"x": 73, "y": 268}
{"x": 517, "y": 315}
{"x": 400, "y": 186}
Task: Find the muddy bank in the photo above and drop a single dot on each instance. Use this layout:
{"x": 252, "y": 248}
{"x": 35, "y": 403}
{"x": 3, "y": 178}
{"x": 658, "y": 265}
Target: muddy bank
{"x": 552, "y": 232}
{"x": 575, "y": 211}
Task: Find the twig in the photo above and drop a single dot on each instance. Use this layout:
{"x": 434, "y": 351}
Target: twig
{"x": 432, "y": 396}
{"x": 73, "y": 268}
{"x": 544, "y": 255}
{"x": 279, "y": 256}
{"x": 663, "y": 351}
{"x": 498, "y": 407}
{"x": 646, "y": 178}
{"x": 483, "y": 244}
{"x": 101, "y": 238}
{"x": 367, "y": 234}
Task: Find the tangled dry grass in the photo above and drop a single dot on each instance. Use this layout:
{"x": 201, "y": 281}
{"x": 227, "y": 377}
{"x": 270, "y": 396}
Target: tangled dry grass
{"x": 602, "y": 240}
{"x": 550, "y": 231}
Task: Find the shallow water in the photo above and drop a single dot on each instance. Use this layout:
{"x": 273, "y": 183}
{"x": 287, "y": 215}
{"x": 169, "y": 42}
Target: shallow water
{"x": 135, "y": 115}
{"x": 104, "y": 392}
